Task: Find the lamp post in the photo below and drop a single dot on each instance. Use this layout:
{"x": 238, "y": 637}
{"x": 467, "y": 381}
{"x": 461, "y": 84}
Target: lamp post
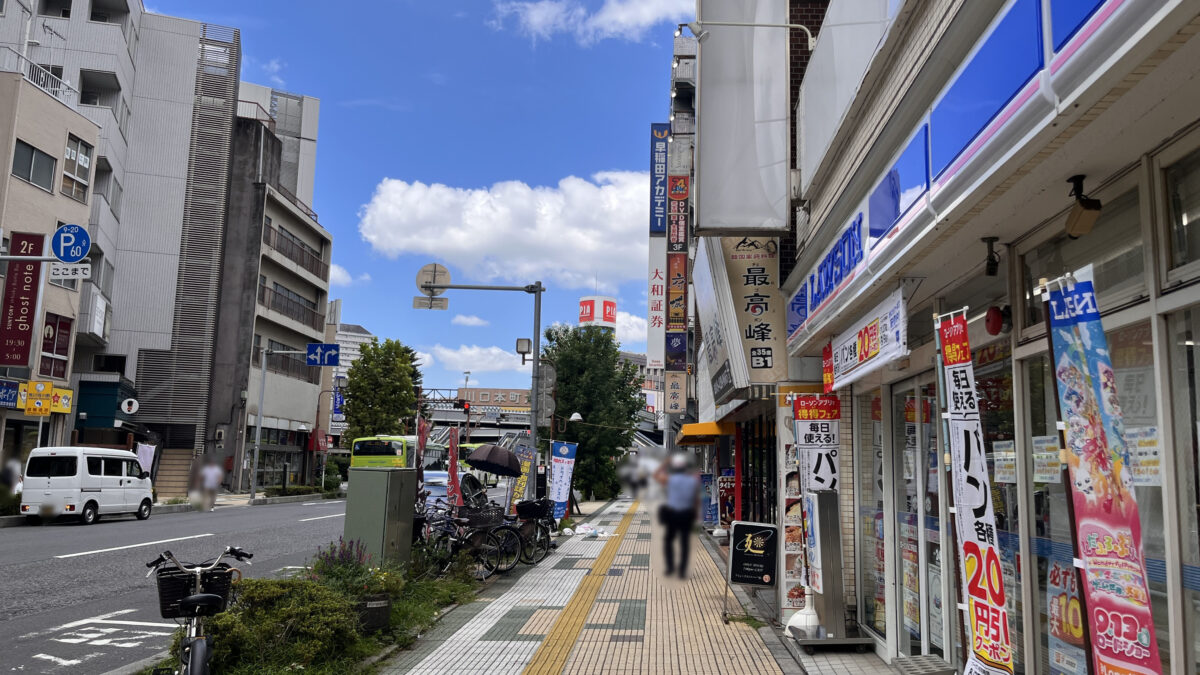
{"x": 339, "y": 382}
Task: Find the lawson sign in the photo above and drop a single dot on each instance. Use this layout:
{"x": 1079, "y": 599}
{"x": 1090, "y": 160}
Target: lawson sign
{"x": 840, "y": 264}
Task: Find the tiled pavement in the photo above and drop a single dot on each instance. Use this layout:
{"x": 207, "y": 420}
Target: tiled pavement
{"x": 597, "y": 606}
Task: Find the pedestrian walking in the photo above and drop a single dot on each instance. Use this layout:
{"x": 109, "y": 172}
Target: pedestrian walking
{"x": 10, "y": 476}
{"x": 210, "y": 481}
{"x": 678, "y": 511}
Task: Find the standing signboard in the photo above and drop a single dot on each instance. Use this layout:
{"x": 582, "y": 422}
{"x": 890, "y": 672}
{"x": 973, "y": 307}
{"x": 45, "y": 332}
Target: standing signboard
{"x": 753, "y": 554}
{"x": 1108, "y": 532}
{"x": 562, "y": 465}
{"x": 987, "y": 620}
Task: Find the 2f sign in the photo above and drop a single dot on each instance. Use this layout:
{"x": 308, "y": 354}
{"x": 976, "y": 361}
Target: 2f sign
{"x": 70, "y": 243}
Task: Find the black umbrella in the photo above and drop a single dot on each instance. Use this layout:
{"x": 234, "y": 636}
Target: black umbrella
{"x": 495, "y": 459}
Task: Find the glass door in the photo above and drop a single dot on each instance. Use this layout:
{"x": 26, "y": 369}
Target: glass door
{"x": 913, "y": 441}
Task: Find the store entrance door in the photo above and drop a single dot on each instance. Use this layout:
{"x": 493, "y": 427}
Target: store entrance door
{"x": 918, "y": 539}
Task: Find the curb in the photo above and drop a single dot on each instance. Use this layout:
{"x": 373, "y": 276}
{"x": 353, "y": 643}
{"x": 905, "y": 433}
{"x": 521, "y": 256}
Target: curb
{"x": 315, "y": 497}
{"x": 138, "y": 666}
{"x": 158, "y": 510}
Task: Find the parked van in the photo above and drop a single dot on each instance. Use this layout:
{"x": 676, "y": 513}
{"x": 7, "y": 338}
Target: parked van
{"x": 87, "y": 482}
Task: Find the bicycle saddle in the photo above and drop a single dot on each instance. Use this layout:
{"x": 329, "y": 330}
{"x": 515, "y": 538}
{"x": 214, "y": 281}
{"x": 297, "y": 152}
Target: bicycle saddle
{"x": 202, "y": 604}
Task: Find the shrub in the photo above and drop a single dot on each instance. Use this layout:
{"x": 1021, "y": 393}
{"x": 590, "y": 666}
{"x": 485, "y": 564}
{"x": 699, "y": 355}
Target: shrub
{"x": 278, "y": 491}
{"x": 345, "y": 567}
{"x": 177, "y": 500}
{"x": 332, "y": 483}
{"x": 10, "y": 503}
{"x": 339, "y": 464}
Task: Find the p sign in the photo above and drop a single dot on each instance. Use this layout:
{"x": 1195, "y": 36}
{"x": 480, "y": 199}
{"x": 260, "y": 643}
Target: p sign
{"x": 71, "y": 243}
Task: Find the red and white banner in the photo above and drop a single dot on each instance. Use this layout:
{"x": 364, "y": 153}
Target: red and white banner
{"x": 453, "y": 491}
{"x": 422, "y": 441}
{"x": 978, "y": 554}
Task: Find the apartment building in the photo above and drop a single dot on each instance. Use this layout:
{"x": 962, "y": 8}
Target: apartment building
{"x": 50, "y": 156}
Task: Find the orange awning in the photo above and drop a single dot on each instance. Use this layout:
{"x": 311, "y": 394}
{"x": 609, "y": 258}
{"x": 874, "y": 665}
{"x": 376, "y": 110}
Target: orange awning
{"x": 703, "y": 433}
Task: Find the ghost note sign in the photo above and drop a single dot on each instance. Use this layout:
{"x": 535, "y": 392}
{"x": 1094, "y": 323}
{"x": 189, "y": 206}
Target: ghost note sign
{"x": 20, "y": 300}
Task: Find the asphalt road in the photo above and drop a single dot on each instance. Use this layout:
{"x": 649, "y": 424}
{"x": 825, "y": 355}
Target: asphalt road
{"x": 76, "y": 598}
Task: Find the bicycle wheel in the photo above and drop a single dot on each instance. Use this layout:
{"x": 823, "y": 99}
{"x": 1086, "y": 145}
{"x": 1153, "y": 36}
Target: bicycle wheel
{"x": 510, "y": 546}
{"x": 195, "y": 660}
{"x": 537, "y": 545}
{"x": 484, "y": 548}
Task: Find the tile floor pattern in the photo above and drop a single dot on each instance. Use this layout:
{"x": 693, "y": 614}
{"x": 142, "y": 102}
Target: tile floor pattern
{"x": 609, "y": 611}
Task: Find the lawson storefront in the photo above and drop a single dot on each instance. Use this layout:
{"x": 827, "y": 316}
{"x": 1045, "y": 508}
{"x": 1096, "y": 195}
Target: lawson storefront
{"x": 908, "y": 248}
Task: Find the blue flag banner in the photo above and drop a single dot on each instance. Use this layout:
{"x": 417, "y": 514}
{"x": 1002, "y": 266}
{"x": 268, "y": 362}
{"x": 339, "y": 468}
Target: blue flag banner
{"x": 562, "y": 464}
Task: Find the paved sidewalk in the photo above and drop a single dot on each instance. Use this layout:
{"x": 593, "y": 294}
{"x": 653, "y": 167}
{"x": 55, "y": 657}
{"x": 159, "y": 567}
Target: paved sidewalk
{"x": 596, "y": 606}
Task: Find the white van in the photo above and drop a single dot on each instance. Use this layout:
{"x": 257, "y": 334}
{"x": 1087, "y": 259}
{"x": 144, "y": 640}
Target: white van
{"x": 87, "y": 482}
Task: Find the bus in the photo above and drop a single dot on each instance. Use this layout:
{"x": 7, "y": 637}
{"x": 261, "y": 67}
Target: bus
{"x": 386, "y": 451}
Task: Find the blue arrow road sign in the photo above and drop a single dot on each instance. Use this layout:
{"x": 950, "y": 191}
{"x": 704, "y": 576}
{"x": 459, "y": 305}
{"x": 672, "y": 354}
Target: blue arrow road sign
{"x": 322, "y": 354}
{"x": 70, "y": 243}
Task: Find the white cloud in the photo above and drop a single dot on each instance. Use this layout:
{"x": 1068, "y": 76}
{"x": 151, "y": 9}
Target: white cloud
{"x": 478, "y": 359}
{"x": 571, "y": 234}
{"x": 425, "y": 359}
{"x": 468, "y": 320}
{"x": 272, "y": 70}
{"x": 630, "y": 328}
{"x": 623, "y": 19}
{"x": 340, "y": 276}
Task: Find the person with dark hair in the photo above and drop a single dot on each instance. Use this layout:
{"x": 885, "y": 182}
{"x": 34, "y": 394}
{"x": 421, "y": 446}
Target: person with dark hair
{"x": 678, "y": 512}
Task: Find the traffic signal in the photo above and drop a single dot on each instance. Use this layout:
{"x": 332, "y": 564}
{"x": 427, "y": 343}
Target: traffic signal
{"x": 466, "y": 406}
{"x": 459, "y": 403}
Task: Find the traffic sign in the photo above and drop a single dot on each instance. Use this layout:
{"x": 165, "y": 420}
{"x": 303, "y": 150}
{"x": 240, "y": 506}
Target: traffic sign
{"x": 38, "y": 398}
{"x": 430, "y": 302}
{"x": 70, "y": 243}
{"x": 60, "y": 270}
{"x": 130, "y": 406}
{"x": 322, "y": 354}
{"x": 432, "y": 273}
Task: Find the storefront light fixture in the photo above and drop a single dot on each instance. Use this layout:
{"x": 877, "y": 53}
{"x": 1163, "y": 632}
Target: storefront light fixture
{"x": 673, "y": 93}
{"x": 993, "y": 259}
{"x": 698, "y": 29}
{"x": 1084, "y": 212}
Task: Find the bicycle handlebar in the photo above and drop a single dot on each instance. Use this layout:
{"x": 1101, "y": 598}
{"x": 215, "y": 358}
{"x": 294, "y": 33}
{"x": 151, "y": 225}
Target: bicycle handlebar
{"x": 167, "y": 556}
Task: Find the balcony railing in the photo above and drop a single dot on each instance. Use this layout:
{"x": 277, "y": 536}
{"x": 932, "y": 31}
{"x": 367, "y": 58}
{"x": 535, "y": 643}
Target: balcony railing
{"x": 296, "y": 201}
{"x": 288, "y": 365}
{"x": 11, "y": 61}
{"x": 290, "y": 308}
{"x": 254, "y": 111}
{"x": 295, "y": 252}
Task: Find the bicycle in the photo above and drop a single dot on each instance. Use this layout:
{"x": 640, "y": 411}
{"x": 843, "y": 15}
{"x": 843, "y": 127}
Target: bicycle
{"x": 536, "y": 524}
{"x": 446, "y": 535}
{"x": 194, "y": 592}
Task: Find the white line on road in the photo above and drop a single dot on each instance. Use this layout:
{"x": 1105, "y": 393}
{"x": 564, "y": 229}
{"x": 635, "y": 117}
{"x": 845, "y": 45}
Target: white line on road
{"x": 139, "y": 623}
{"x": 121, "y": 548}
{"x": 322, "y": 503}
{"x": 57, "y": 661}
{"x": 336, "y": 515}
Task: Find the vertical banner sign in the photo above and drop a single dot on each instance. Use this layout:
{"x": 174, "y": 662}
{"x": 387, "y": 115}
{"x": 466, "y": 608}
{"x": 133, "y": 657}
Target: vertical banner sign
{"x": 1108, "y": 534}
{"x": 453, "y": 490}
{"x": 525, "y": 456}
{"x": 817, "y": 419}
{"x": 1064, "y": 613}
{"x": 676, "y": 394}
{"x": 979, "y": 555}
{"x": 562, "y": 461}
{"x": 658, "y": 178}
{"x": 827, "y": 367}
{"x": 678, "y": 220}
{"x": 676, "y": 351}
{"x": 708, "y": 505}
{"x": 422, "y": 441}
{"x": 656, "y": 303}
{"x": 677, "y": 283}
{"x": 21, "y": 286}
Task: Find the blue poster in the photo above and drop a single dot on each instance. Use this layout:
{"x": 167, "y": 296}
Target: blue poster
{"x": 338, "y": 400}
{"x": 562, "y": 463}
{"x": 658, "y": 178}
{"x": 708, "y": 505}
{"x": 8, "y": 394}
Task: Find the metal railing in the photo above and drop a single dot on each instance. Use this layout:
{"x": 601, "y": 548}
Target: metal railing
{"x": 254, "y": 111}
{"x": 295, "y": 252}
{"x": 11, "y": 61}
{"x": 288, "y": 365}
{"x": 290, "y": 308}
{"x": 296, "y": 201}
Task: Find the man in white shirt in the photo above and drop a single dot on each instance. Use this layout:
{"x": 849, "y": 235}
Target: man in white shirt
{"x": 210, "y": 481}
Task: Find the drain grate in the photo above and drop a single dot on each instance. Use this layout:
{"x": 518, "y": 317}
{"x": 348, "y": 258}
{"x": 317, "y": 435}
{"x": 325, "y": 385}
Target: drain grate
{"x": 924, "y": 665}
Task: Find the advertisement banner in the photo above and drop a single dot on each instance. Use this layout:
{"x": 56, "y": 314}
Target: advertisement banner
{"x": 658, "y": 178}
{"x": 453, "y": 489}
{"x": 878, "y": 338}
{"x": 8, "y": 394}
{"x": 562, "y": 462}
{"x": 726, "y": 485}
{"x": 708, "y": 505}
{"x": 676, "y": 394}
{"x": 525, "y": 455}
{"x": 676, "y": 351}
{"x": 598, "y": 310}
{"x": 21, "y": 286}
{"x": 1064, "y": 614}
{"x": 827, "y": 367}
{"x": 817, "y": 419}
{"x": 656, "y": 303}
{"x": 678, "y": 221}
{"x": 422, "y": 441}
{"x": 980, "y": 565}
{"x": 1108, "y": 534}
{"x": 677, "y": 305}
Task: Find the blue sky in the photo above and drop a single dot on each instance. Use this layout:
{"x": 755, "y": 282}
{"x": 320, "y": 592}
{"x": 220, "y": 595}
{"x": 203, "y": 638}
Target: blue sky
{"x": 505, "y": 139}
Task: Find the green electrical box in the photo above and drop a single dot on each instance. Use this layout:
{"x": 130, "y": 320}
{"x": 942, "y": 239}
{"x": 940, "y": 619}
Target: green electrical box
{"x": 379, "y": 511}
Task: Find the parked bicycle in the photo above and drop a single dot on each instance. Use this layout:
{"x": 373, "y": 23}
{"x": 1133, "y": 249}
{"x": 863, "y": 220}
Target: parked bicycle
{"x": 194, "y": 592}
{"x": 446, "y": 534}
{"x": 536, "y": 523}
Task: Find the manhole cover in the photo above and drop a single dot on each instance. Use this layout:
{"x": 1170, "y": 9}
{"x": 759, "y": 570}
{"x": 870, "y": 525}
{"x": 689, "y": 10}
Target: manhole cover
{"x": 924, "y": 665}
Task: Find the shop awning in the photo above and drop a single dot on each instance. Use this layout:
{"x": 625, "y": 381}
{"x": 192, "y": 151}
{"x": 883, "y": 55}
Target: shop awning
{"x": 703, "y": 433}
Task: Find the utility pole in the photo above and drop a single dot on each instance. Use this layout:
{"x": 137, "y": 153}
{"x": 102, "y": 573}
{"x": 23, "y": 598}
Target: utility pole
{"x": 262, "y": 391}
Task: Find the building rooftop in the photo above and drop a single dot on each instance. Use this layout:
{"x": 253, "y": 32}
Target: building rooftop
{"x": 353, "y": 328}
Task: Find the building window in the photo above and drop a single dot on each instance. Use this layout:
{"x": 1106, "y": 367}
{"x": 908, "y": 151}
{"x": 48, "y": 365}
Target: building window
{"x": 34, "y": 166}
{"x": 56, "y": 346}
{"x": 77, "y": 169}
{"x": 1185, "y": 403}
{"x": 871, "y": 573}
{"x": 288, "y": 293}
{"x": 1183, "y": 206}
{"x": 108, "y": 363}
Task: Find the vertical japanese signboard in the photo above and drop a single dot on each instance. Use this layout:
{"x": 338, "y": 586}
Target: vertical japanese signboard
{"x": 979, "y": 556}
{"x": 1108, "y": 533}
{"x": 656, "y": 303}
{"x": 676, "y": 394}
{"x": 21, "y": 286}
{"x": 752, "y": 268}
{"x": 562, "y": 461}
{"x": 525, "y": 455}
{"x": 677, "y": 282}
{"x": 816, "y": 419}
{"x": 658, "y": 178}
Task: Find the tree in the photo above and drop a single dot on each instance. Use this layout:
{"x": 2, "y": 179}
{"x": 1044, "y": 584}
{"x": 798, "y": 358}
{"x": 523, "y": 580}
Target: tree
{"x": 593, "y": 382}
{"x": 418, "y": 381}
{"x": 379, "y": 390}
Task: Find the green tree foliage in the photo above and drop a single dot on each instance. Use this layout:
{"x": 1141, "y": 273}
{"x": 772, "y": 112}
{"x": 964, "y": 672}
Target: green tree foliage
{"x": 379, "y": 390}
{"x": 593, "y": 382}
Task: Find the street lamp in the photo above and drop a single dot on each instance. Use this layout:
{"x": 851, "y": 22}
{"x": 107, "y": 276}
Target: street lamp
{"x": 697, "y": 29}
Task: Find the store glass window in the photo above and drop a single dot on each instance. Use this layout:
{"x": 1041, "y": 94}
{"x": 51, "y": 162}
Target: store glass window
{"x": 1059, "y": 620}
{"x": 871, "y": 572}
{"x": 1114, "y": 247}
{"x": 1184, "y": 328}
{"x": 1183, "y": 209}
{"x": 911, "y": 428}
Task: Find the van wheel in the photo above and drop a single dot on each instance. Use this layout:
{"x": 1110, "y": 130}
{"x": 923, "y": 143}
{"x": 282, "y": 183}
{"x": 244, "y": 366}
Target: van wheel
{"x": 143, "y": 511}
{"x": 89, "y": 514}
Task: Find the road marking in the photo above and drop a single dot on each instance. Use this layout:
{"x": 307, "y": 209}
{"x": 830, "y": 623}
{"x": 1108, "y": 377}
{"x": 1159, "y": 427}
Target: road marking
{"x": 121, "y": 548}
{"x": 336, "y": 515}
{"x": 83, "y": 622}
{"x": 322, "y": 503}
{"x": 57, "y": 661}
{"x": 147, "y": 624}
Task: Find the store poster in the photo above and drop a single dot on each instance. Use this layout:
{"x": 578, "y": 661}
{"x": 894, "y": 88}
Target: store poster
{"x": 874, "y": 522}
{"x": 708, "y": 505}
{"x": 1108, "y": 533}
{"x": 1005, "y": 457}
{"x": 1064, "y": 614}
{"x": 725, "y": 489}
{"x": 1047, "y": 466}
{"x": 1145, "y": 461}
{"x": 980, "y": 565}
{"x": 812, "y": 544}
{"x": 817, "y": 419}
{"x": 562, "y": 465}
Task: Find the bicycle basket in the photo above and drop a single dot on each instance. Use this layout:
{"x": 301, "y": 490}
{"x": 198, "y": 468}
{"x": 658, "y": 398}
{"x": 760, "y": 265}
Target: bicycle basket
{"x": 483, "y": 516}
{"x": 533, "y": 510}
{"x": 174, "y": 585}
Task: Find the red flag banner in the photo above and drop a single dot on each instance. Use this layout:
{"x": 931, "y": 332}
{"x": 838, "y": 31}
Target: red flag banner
{"x": 453, "y": 491}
